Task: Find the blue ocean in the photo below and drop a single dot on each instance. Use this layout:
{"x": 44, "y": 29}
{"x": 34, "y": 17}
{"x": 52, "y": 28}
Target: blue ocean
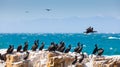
{"x": 109, "y": 42}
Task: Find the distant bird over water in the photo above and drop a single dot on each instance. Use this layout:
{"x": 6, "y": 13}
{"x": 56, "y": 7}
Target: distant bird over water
{"x": 89, "y": 30}
{"x": 48, "y": 9}
{"x": 26, "y": 11}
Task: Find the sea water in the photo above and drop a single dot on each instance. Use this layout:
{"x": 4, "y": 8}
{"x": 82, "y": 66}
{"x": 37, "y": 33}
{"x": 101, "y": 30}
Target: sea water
{"x": 109, "y": 42}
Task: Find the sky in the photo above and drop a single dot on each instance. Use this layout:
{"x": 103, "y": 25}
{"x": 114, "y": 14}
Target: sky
{"x": 65, "y": 16}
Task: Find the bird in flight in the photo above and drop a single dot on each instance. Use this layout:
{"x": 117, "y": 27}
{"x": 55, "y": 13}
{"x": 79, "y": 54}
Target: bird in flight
{"x": 48, "y": 9}
{"x": 26, "y": 11}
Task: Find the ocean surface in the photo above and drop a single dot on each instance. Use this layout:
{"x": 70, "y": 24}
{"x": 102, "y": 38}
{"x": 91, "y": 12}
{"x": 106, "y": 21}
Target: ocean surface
{"x": 109, "y": 42}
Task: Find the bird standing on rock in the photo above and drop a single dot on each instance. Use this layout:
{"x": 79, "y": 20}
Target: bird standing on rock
{"x": 81, "y": 59}
{"x": 42, "y": 46}
{"x": 61, "y": 46}
{"x": 75, "y": 60}
{"x": 68, "y": 49}
{"x": 52, "y": 47}
{"x": 3, "y": 57}
{"x": 26, "y": 56}
{"x": 35, "y": 46}
{"x": 78, "y": 46}
{"x": 80, "y": 49}
{"x": 100, "y": 51}
{"x": 25, "y": 48}
{"x": 95, "y": 50}
{"x": 10, "y": 49}
{"x": 19, "y": 48}
{"x": 62, "y": 49}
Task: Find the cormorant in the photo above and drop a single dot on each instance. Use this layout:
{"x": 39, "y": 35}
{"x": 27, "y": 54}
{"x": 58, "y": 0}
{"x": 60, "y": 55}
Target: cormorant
{"x": 10, "y": 49}
{"x": 19, "y": 48}
{"x": 26, "y": 56}
{"x": 47, "y": 9}
{"x": 81, "y": 59}
{"x": 61, "y": 45}
{"x": 62, "y": 49}
{"x": 42, "y": 46}
{"x": 3, "y": 56}
{"x": 25, "y": 48}
{"x": 56, "y": 46}
{"x": 68, "y": 49}
{"x": 95, "y": 49}
{"x": 100, "y": 51}
{"x": 78, "y": 46}
{"x": 80, "y": 49}
{"x": 75, "y": 60}
{"x": 35, "y": 46}
{"x": 52, "y": 47}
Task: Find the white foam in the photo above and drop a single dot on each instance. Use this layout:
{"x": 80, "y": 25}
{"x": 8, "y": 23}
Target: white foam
{"x": 111, "y": 48}
{"x": 113, "y": 37}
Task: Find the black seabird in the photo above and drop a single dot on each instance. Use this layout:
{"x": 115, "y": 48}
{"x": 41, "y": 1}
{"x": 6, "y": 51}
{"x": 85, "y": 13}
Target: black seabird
{"x": 56, "y": 46}
{"x": 42, "y": 46}
{"x": 25, "y": 48}
{"x": 19, "y": 48}
{"x": 37, "y": 41}
{"x": 35, "y": 46}
{"x": 75, "y": 60}
{"x": 48, "y": 9}
{"x": 62, "y": 49}
{"x": 81, "y": 59}
{"x": 95, "y": 49}
{"x": 68, "y": 49}
{"x": 90, "y": 30}
{"x": 100, "y": 51}
{"x": 61, "y": 45}
{"x": 80, "y": 49}
{"x": 52, "y": 47}
{"x": 10, "y": 49}
{"x": 78, "y": 46}
{"x": 3, "y": 57}
{"x": 26, "y": 56}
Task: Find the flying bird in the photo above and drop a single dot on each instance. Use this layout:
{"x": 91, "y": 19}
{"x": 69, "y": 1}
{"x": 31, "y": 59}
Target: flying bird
{"x": 90, "y": 30}
{"x": 26, "y": 11}
{"x": 48, "y": 9}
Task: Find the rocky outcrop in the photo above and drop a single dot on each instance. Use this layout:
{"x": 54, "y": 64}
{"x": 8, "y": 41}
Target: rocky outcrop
{"x": 106, "y": 62}
{"x": 58, "y": 59}
{"x": 39, "y": 59}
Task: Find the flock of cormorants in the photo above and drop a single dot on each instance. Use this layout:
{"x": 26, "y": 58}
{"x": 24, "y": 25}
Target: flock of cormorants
{"x": 52, "y": 48}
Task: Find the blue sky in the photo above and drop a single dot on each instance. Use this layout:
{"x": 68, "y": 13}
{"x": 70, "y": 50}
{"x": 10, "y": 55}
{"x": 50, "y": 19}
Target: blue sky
{"x": 66, "y": 16}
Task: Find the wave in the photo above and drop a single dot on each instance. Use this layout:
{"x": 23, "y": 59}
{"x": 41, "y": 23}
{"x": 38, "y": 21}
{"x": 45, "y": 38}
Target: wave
{"x": 113, "y": 38}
